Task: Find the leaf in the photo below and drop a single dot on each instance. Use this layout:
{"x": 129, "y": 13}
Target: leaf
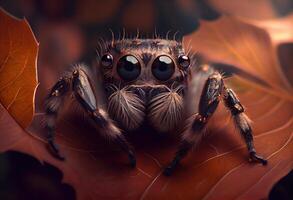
{"x": 243, "y": 45}
{"x": 18, "y": 52}
{"x": 217, "y": 169}
{"x": 284, "y": 53}
{"x": 280, "y": 29}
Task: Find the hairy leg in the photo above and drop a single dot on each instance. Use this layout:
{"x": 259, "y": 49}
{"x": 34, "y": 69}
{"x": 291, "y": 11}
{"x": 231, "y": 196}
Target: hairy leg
{"x": 192, "y": 134}
{"x": 242, "y": 123}
{"x": 84, "y": 94}
{"x": 53, "y": 104}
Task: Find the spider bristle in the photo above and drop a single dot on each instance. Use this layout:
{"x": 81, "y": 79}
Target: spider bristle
{"x": 167, "y": 34}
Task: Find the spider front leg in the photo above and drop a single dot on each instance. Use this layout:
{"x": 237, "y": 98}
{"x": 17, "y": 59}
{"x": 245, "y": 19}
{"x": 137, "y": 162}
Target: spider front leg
{"x": 53, "y": 104}
{"x": 242, "y": 123}
{"x": 84, "y": 94}
{"x": 192, "y": 135}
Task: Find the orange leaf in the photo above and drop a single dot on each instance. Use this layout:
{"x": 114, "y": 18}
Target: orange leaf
{"x": 280, "y": 29}
{"x": 232, "y": 41}
{"x": 18, "y": 54}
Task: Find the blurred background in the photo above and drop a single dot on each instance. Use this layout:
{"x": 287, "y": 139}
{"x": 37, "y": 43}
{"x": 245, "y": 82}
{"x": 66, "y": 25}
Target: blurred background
{"x": 68, "y": 32}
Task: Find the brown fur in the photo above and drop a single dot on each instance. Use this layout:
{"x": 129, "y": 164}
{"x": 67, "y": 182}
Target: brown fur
{"x": 165, "y": 110}
{"x": 126, "y": 108}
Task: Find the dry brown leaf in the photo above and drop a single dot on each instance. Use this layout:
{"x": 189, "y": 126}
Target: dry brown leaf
{"x": 285, "y": 52}
{"x": 218, "y": 169}
{"x": 18, "y": 79}
{"x": 243, "y": 45}
{"x": 279, "y": 29}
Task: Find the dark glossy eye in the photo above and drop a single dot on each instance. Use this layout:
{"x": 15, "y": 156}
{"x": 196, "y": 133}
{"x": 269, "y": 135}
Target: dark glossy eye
{"x": 184, "y": 61}
{"x": 163, "y": 68}
{"x": 107, "y": 60}
{"x": 128, "y": 68}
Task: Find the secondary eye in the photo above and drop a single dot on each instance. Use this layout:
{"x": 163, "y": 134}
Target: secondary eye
{"x": 128, "y": 68}
{"x": 163, "y": 68}
{"x": 184, "y": 61}
{"x": 107, "y": 60}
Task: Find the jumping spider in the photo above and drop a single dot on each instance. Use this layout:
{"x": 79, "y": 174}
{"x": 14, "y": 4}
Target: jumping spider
{"x": 153, "y": 80}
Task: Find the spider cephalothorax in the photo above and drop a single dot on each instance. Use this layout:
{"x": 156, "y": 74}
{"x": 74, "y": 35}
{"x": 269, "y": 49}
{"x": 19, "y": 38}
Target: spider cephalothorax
{"x": 152, "y": 80}
{"x": 145, "y": 79}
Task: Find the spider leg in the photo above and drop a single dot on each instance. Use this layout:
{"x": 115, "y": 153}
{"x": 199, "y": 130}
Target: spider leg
{"x": 208, "y": 103}
{"x": 53, "y": 104}
{"x": 84, "y": 94}
{"x": 242, "y": 123}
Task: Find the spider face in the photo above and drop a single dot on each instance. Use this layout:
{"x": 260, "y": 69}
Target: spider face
{"x": 145, "y": 79}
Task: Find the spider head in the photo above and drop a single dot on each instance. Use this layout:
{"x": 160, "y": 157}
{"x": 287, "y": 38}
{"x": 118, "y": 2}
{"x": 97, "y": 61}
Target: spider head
{"x": 145, "y": 74}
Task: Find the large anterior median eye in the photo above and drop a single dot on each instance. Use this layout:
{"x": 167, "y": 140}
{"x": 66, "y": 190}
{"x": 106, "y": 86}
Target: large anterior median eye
{"x": 163, "y": 68}
{"x": 128, "y": 68}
